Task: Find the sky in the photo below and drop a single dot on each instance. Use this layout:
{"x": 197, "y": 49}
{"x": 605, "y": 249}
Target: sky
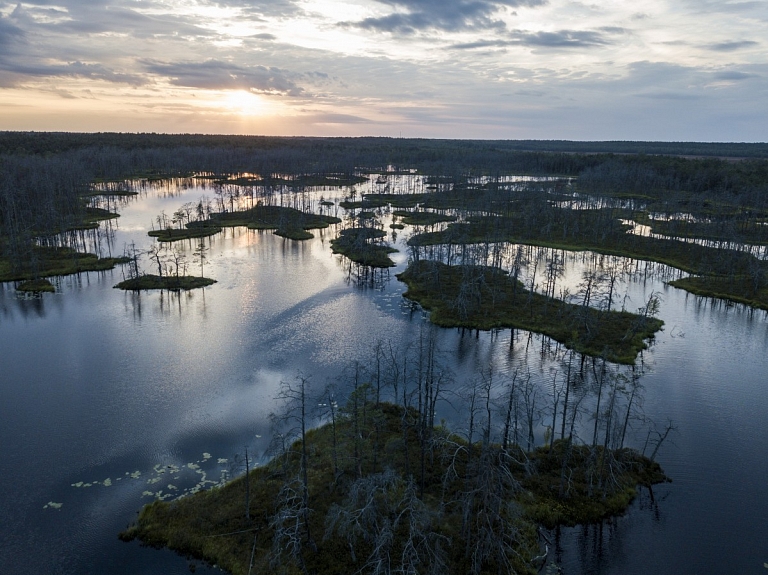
{"x": 670, "y": 70}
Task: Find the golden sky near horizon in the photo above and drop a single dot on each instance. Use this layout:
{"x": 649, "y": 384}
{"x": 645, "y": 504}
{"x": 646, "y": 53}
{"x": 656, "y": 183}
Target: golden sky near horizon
{"x": 546, "y": 69}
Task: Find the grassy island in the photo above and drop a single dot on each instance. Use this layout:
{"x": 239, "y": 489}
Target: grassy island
{"x": 741, "y": 289}
{"x": 480, "y": 297}
{"x": 149, "y": 281}
{"x": 357, "y": 244}
{"x": 36, "y": 286}
{"x": 49, "y": 261}
{"x": 422, "y": 218}
{"x": 187, "y": 233}
{"x": 287, "y": 222}
{"x": 374, "y": 487}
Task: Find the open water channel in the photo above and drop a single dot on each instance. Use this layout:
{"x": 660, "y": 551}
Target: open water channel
{"x": 110, "y": 399}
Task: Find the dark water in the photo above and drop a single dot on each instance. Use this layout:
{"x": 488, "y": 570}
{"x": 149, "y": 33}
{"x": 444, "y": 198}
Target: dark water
{"x": 109, "y": 399}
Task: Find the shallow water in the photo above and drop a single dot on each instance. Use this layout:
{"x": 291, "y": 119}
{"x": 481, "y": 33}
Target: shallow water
{"x": 99, "y": 384}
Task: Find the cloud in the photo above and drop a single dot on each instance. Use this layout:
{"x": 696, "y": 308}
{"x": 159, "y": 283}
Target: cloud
{"x": 70, "y": 70}
{"x": 329, "y": 118}
{"x": 9, "y": 32}
{"x": 84, "y": 18}
{"x": 731, "y": 46}
{"x": 732, "y": 75}
{"x": 669, "y": 96}
{"x": 557, "y": 39}
{"x": 447, "y": 15}
{"x": 218, "y": 75}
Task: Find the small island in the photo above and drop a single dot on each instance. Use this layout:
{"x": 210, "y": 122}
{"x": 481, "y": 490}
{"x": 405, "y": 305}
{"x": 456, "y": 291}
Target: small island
{"x": 360, "y": 245}
{"x": 378, "y": 485}
{"x": 36, "y": 286}
{"x": 286, "y": 222}
{"x": 481, "y": 297}
{"x": 150, "y": 281}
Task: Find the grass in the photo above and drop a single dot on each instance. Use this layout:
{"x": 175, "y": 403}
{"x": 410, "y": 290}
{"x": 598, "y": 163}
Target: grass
{"x": 36, "y": 286}
{"x": 212, "y": 525}
{"x": 483, "y": 298}
{"x": 357, "y": 245}
{"x": 47, "y": 262}
{"x": 149, "y": 281}
{"x": 739, "y": 289}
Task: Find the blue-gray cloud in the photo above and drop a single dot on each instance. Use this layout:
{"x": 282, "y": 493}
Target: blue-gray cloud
{"x": 69, "y": 70}
{"x": 99, "y": 18}
{"x": 218, "y": 75}
{"x": 9, "y": 32}
{"x": 558, "y": 39}
{"x": 446, "y": 15}
{"x": 732, "y": 75}
{"x": 731, "y": 46}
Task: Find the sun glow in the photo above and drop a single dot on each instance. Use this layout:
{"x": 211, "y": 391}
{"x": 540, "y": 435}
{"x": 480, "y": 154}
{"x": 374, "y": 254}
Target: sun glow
{"x": 244, "y": 103}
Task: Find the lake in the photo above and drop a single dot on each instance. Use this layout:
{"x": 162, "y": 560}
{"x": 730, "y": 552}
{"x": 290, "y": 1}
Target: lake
{"x": 111, "y": 399}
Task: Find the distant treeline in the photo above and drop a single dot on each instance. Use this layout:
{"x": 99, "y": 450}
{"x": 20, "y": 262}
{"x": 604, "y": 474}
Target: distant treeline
{"x": 54, "y": 142}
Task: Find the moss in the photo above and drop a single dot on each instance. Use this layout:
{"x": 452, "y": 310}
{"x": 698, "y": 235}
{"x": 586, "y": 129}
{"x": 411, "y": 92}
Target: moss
{"x": 485, "y": 298}
{"x": 149, "y": 281}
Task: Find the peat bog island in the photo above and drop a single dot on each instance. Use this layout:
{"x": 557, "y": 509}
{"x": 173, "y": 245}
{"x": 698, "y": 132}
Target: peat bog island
{"x": 400, "y": 461}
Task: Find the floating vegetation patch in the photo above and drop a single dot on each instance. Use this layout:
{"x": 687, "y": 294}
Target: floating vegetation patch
{"x": 53, "y": 505}
{"x": 170, "y": 481}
